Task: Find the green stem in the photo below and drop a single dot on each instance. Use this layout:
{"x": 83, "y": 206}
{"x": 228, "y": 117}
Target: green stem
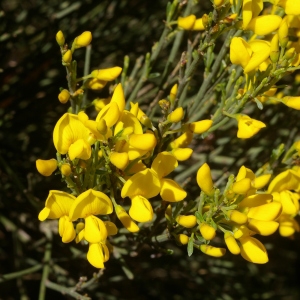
{"x": 46, "y": 269}
{"x": 18, "y": 274}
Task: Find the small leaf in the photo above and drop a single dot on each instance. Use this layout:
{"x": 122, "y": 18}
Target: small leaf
{"x": 153, "y": 75}
{"x": 190, "y": 246}
{"x": 259, "y": 104}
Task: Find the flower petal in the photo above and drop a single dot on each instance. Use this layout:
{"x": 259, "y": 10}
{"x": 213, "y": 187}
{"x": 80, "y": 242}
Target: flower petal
{"x": 141, "y": 209}
{"x": 171, "y": 191}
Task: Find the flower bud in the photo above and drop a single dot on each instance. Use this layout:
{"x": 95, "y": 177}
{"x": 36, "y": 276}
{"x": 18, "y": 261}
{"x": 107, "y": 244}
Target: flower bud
{"x": 173, "y": 93}
{"x": 274, "y": 54}
{"x": 46, "y": 167}
{"x": 207, "y": 231}
{"x": 283, "y": 34}
{"x": 64, "y": 96}
{"x": 176, "y": 115}
{"x": 231, "y": 243}
{"x": 107, "y": 74}
{"x": 187, "y": 23}
{"x": 60, "y": 39}
{"x": 66, "y": 170}
{"x": 183, "y": 239}
{"x": 186, "y": 221}
{"x": 67, "y": 57}
{"x": 83, "y": 40}
{"x": 200, "y": 126}
{"x": 204, "y": 179}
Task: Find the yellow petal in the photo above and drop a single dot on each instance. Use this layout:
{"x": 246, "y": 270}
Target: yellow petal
{"x": 67, "y": 131}
{"x": 171, "y": 191}
{"x": 182, "y": 141}
{"x": 95, "y": 230}
{"x": 95, "y": 255}
{"x": 287, "y": 180}
{"x": 111, "y": 228}
{"x": 261, "y": 181}
{"x": 126, "y": 219}
{"x": 240, "y": 52}
{"x": 183, "y": 239}
{"x": 186, "y": 23}
{"x": 204, "y": 179}
{"x": 182, "y": 154}
{"x": 231, "y": 243}
{"x": 288, "y": 203}
{"x": 107, "y": 74}
{"x": 146, "y": 141}
{"x": 80, "y": 149}
{"x": 89, "y": 203}
{"x": 118, "y": 97}
{"x": 110, "y": 113}
{"x": 129, "y": 122}
{"x": 66, "y": 229}
{"x": 292, "y": 102}
{"x": 253, "y": 250}
{"x": 57, "y": 204}
{"x": 84, "y": 39}
{"x": 120, "y": 160}
{"x": 263, "y": 227}
{"x": 200, "y": 126}
{"x": 237, "y": 217}
{"x": 144, "y": 183}
{"x": 198, "y": 25}
{"x": 242, "y": 186}
{"x": 212, "y": 251}
{"x": 176, "y": 115}
{"x": 255, "y": 200}
{"x": 46, "y": 167}
{"x": 265, "y": 212}
{"x": 265, "y": 24}
{"x": 141, "y": 209}
{"x": 163, "y": 164}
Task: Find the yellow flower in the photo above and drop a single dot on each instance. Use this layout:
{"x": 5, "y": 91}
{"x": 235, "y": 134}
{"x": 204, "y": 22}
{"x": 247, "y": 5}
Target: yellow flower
{"x": 200, "y": 126}
{"x": 176, "y": 115}
{"x": 292, "y": 102}
{"x": 46, "y": 167}
{"x": 249, "y": 55}
{"x": 67, "y": 57}
{"x": 69, "y": 131}
{"x": 57, "y": 206}
{"x": 291, "y": 7}
{"x": 87, "y": 205}
{"x": 183, "y": 239}
{"x": 248, "y": 127}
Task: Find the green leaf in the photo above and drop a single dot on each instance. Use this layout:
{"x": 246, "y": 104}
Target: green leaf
{"x": 190, "y": 246}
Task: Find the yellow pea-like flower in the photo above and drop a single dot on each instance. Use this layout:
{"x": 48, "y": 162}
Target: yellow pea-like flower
{"x": 186, "y": 221}
{"x": 46, "y": 167}
{"x": 292, "y": 102}
{"x": 173, "y": 92}
{"x": 207, "y": 231}
{"x": 64, "y": 96}
{"x": 248, "y": 127}
{"x": 204, "y": 179}
{"x": 263, "y": 25}
{"x": 212, "y": 251}
{"x": 182, "y": 154}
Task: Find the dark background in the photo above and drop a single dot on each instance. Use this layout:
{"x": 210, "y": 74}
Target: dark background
{"x": 31, "y": 75}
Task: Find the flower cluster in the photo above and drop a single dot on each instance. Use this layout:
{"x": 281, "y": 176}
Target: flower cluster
{"x": 118, "y": 159}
